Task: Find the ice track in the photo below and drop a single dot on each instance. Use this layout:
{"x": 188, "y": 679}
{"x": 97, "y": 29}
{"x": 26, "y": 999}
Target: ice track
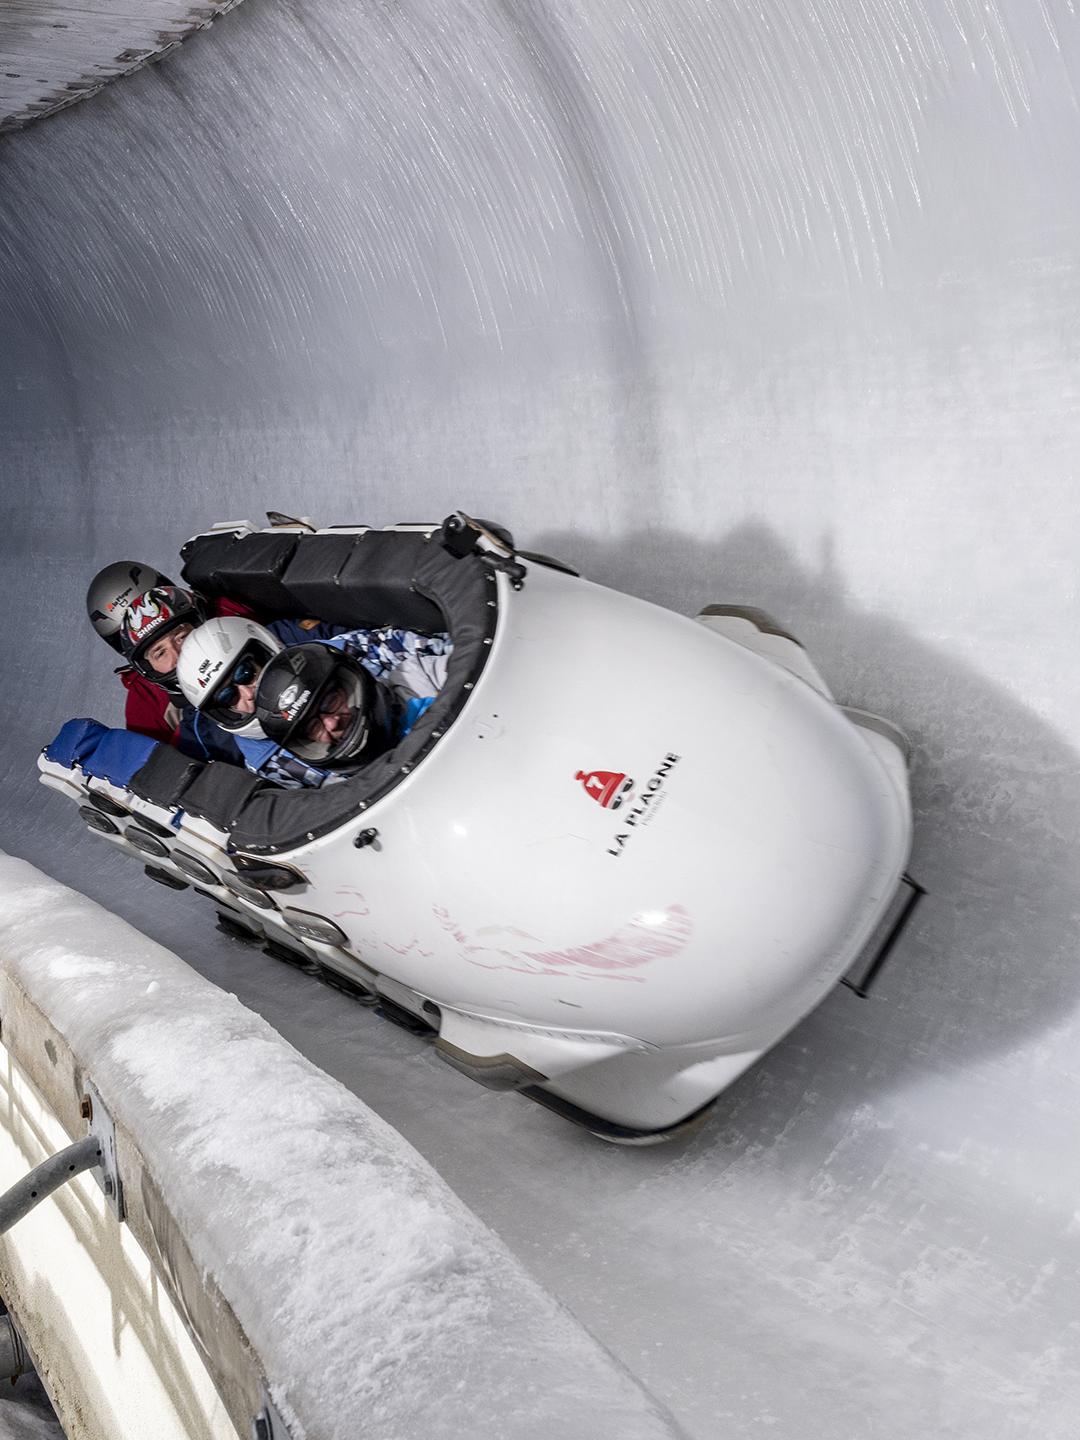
{"x": 775, "y": 304}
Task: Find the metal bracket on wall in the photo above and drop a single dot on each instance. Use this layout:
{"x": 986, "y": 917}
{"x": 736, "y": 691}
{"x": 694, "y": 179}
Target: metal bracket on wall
{"x": 104, "y": 1131}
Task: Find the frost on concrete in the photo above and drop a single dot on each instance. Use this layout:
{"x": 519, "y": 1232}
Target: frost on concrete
{"x": 378, "y": 1304}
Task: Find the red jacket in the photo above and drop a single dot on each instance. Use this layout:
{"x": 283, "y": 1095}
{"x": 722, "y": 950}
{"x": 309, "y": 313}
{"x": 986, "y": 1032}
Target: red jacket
{"x": 148, "y": 710}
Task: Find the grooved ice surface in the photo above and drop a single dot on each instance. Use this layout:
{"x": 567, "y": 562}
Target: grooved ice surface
{"x": 764, "y": 303}
{"x": 378, "y": 1304}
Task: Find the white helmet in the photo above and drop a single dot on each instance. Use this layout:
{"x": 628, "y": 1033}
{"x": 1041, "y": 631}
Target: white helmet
{"x": 219, "y": 662}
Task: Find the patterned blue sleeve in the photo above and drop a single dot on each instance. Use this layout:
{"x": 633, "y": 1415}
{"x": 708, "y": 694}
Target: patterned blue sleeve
{"x": 292, "y": 773}
{"x": 385, "y": 650}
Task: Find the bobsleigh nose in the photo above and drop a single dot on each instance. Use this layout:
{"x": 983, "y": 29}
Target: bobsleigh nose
{"x": 791, "y": 839}
{"x": 758, "y": 838}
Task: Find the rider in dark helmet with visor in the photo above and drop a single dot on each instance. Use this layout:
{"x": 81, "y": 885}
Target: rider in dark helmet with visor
{"x": 321, "y": 705}
{"x": 311, "y": 713}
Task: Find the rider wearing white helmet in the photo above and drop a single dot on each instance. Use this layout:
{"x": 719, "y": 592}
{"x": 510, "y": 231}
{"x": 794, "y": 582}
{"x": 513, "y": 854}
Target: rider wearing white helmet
{"x": 218, "y": 672}
{"x": 223, "y": 661}
{"x": 219, "y": 669}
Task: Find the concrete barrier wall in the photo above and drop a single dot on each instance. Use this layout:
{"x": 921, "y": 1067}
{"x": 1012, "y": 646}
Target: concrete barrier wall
{"x": 109, "y": 1343}
{"x": 311, "y": 1254}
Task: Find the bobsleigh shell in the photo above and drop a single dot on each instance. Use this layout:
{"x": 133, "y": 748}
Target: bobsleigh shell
{"x": 759, "y": 839}
{"x": 639, "y": 853}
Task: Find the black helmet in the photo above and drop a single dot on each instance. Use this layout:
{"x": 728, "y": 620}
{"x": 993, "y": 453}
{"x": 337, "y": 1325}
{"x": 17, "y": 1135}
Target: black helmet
{"x": 323, "y": 706}
{"x": 112, "y": 590}
{"x": 148, "y": 619}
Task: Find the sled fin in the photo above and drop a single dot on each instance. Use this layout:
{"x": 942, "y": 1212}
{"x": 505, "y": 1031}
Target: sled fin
{"x": 757, "y": 630}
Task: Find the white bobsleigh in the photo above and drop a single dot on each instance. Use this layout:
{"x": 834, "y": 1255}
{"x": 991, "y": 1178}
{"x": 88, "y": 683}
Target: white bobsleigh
{"x": 621, "y": 855}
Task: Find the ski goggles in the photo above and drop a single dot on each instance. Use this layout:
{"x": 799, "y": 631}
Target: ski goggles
{"x": 244, "y": 672}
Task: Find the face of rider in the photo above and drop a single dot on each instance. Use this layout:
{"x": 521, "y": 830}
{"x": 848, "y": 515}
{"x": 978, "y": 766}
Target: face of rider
{"x": 237, "y": 692}
{"x": 163, "y": 654}
{"x": 334, "y": 717}
{"x": 244, "y": 704}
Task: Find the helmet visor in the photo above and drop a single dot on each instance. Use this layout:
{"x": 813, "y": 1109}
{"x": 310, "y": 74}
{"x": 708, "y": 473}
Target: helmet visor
{"x": 335, "y": 725}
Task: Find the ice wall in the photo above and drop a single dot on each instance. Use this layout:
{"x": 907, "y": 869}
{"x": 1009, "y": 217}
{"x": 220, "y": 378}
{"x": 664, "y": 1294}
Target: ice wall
{"x": 764, "y": 302}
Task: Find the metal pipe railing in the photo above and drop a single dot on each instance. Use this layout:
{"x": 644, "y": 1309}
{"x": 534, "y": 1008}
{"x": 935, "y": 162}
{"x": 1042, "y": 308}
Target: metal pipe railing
{"x": 57, "y": 1170}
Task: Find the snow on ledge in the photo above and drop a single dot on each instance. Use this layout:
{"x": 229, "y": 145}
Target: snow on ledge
{"x": 376, "y": 1302}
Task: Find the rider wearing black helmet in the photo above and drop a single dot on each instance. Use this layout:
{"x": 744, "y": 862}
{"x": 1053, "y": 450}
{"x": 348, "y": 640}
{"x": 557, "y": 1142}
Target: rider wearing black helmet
{"x": 112, "y": 590}
{"x": 153, "y": 630}
{"x": 321, "y": 705}
{"x": 148, "y": 710}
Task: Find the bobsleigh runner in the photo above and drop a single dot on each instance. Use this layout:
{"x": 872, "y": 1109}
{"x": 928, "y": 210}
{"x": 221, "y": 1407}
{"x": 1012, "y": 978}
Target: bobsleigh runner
{"x": 619, "y": 857}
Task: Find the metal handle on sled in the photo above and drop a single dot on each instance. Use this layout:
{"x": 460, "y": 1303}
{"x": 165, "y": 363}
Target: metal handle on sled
{"x": 872, "y": 969}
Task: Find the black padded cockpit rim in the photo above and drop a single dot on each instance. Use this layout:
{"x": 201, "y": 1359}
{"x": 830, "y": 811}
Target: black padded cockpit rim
{"x": 273, "y": 821}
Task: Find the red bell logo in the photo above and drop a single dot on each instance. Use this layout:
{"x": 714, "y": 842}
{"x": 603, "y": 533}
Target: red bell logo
{"x": 606, "y": 787}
